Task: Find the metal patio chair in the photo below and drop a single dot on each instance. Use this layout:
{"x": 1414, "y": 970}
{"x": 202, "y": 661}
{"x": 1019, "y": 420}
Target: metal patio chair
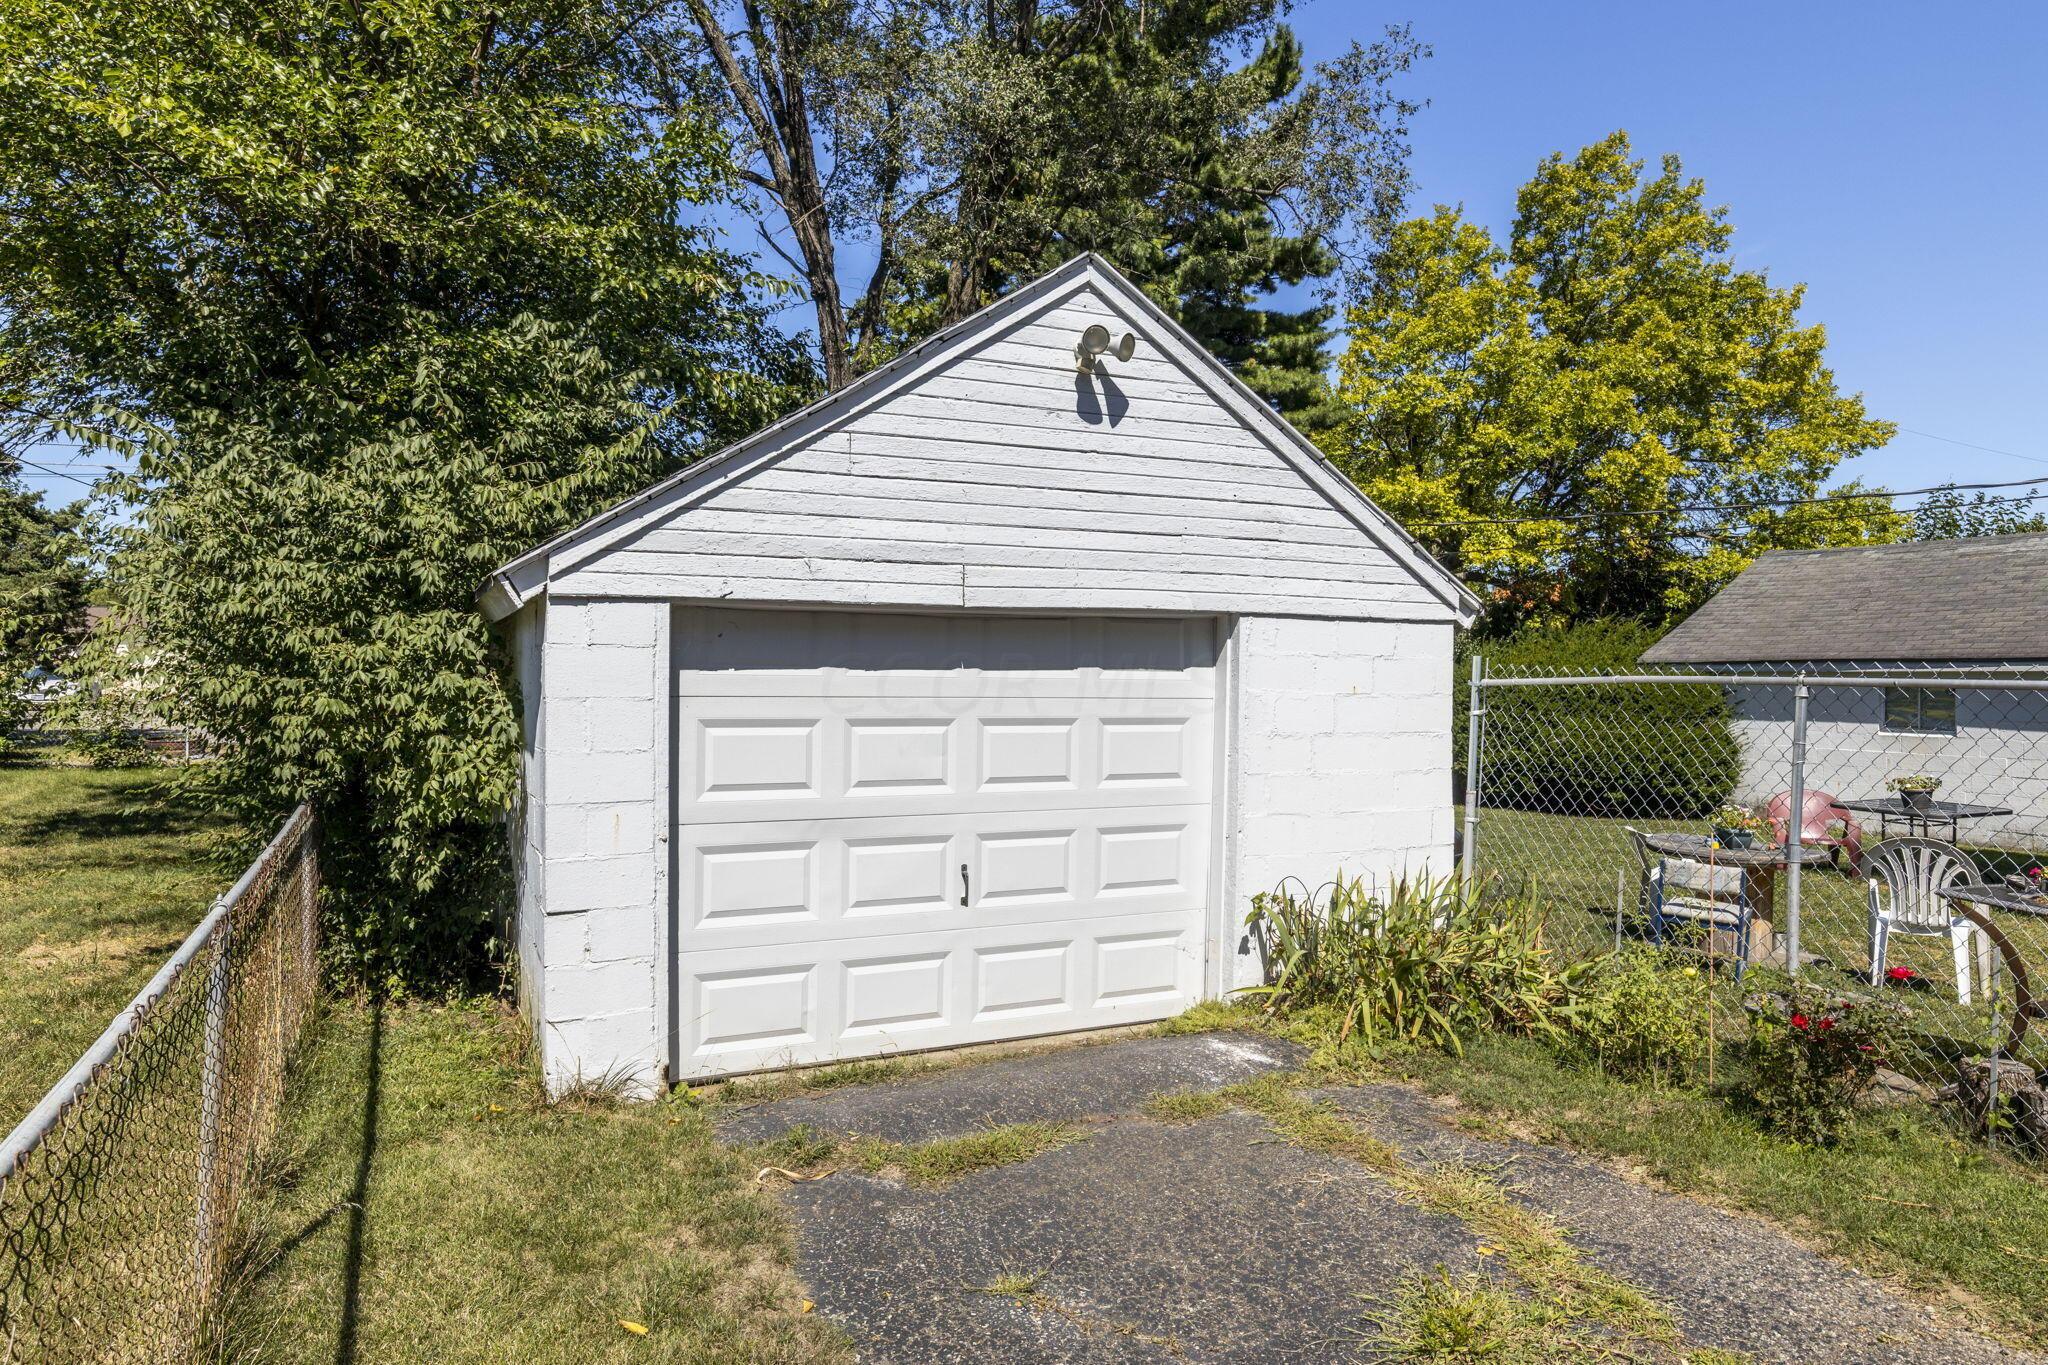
{"x": 1907, "y": 876}
{"x": 1714, "y": 897}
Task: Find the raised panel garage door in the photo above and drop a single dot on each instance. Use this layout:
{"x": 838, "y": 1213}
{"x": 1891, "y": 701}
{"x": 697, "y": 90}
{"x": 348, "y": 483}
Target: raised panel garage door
{"x": 900, "y": 832}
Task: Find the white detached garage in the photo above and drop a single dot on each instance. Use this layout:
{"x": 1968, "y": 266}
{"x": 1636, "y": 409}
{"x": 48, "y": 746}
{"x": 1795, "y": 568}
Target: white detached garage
{"x": 970, "y": 703}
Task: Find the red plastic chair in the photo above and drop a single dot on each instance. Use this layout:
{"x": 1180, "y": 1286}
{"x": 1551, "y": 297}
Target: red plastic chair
{"x": 1821, "y": 812}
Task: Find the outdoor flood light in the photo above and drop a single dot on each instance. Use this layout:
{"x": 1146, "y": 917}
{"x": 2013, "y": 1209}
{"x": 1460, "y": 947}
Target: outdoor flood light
{"x": 1095, "y": 343}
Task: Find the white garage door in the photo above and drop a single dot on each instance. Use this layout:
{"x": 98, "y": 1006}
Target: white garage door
{"x": 918, "y": 831}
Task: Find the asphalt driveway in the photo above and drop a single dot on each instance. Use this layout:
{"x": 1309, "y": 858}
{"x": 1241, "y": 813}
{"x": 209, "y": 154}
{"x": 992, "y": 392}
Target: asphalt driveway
{"x": 1221, "y": 1240}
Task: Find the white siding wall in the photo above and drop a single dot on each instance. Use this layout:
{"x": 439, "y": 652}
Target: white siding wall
{"x": 1998, "y": 755}
{"x": 529, "y": 864}
{"x": 1343, "y": 756}
{"x": 606, "y": 666}
{"x": 1008, "y": 480}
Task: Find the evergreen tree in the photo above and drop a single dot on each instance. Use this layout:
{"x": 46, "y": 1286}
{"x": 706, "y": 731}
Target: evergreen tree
{"x": 978, "y": 146}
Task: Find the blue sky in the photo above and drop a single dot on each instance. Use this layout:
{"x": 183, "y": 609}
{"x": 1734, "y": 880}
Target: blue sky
{"x": 1889, "y": 156}
{"x": 1892, "y": 157}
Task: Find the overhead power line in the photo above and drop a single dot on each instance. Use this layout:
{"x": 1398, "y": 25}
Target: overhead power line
{"x": 52, "y": 472}
{"x": 1873, "y": 494}
{"x": 1972, "y": 445}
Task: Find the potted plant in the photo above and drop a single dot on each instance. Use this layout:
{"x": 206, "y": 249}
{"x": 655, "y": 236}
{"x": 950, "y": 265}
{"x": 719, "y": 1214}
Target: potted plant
{"x": 1740, "y": 827}
{"x": 2032, "y": 882}
{"x": 1915, "y": 789}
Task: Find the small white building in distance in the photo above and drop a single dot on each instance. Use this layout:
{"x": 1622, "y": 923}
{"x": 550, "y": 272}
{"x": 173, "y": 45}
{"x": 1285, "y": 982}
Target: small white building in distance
{"x": 1927, "y": 616}
{"x": 973, "y": 702}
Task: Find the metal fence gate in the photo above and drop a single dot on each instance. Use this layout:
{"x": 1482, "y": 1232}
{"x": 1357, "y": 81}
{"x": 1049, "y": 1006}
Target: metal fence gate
{"x": 1585, "y": 792}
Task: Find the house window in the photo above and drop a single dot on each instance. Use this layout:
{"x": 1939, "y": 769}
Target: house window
{"x": 1920, "y": 710}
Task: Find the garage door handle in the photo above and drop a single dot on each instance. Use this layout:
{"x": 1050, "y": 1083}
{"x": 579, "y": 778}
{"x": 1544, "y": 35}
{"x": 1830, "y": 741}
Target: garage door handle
{"x": 963, "y": 883}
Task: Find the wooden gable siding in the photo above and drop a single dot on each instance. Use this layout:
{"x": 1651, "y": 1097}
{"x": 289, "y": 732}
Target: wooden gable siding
{"x": 997, "y": 481}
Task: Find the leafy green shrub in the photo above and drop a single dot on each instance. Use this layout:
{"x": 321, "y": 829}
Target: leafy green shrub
{"x": 108, "y": 746}
{"x": 1814, "y": 1058}
{"x": 1422, "y": 963}
{"x": 1651, "y": 751}
{"x": 1643, "y": 1016}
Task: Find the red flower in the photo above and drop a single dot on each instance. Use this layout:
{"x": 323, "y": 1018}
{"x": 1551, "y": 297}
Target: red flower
{"x": 1827, "y": 1023}
{"x": 1799, "y": 1021}
{"x": 1902, "y": 974}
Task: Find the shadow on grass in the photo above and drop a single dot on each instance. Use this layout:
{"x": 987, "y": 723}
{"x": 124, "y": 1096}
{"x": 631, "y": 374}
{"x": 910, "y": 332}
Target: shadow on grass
{"x": 111, "y": 813}
{"x": 359, "y": 1194}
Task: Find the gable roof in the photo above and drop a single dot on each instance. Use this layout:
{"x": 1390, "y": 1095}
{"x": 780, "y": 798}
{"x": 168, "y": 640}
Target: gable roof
{"x": 523, "y": 578}
{"x": 1981, "y": 599}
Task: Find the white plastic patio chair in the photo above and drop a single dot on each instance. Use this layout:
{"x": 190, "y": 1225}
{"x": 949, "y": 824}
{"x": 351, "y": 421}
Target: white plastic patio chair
{"x": 1907, "y": 877}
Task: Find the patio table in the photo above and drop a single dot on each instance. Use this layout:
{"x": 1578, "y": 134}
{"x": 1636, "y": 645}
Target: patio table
{"x": 1972, "y": 900}
{"x": 1921, "y": 819}
{"x": 1759, "y": 866}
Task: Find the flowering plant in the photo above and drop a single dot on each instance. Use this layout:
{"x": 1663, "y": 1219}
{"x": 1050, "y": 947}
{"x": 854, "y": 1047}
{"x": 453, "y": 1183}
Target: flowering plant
{"x": 1813, "y": 1058}
{"x": 1738, "y": 825}
{"x": 1740, "y": 817}
{"x": 1913, "y": 782}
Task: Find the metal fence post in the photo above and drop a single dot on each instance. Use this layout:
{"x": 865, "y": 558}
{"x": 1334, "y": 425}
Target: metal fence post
{"x": 1475, "y": 735}
{"x": 1795, "y": 826}
{"x": 212, "y": 1078}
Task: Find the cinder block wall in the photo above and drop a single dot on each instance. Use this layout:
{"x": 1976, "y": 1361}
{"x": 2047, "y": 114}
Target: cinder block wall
{"x": 601, "y": 1006}
{"x": 1343, "y": 754}
{"x": 1343, "y": 760}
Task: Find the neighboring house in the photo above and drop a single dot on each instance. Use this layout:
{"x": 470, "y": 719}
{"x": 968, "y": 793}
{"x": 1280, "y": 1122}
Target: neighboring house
{"x": 973, "y": 702}
{"x": 1949, "y": 608}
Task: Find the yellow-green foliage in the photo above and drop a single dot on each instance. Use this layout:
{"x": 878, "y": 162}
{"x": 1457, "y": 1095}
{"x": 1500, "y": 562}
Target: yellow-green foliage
{"x": 1645, "y": 1016}
{"x": 1609, "y": 358}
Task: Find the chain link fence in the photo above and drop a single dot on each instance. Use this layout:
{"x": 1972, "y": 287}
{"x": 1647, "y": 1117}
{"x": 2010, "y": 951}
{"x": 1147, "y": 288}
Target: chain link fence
{"x": 119, "y": 1192}
{"x": 1611, "y": 799}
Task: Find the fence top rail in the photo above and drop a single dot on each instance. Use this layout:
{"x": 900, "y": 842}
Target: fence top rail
{"x": 41, "y": 1120}
{"x": 1964, "y": 682}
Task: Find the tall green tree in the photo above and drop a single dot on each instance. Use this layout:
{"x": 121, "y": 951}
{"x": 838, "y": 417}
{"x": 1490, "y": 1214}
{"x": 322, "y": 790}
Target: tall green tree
{"x": 960, "y": 148}
{"x": 1949, "y": 515}
{"x": 42, "y": 589}
{"x": 1584, "y": 420}
{"x": 377, "y": 293}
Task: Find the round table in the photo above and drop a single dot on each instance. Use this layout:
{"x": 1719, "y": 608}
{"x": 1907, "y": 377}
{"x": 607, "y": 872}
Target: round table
{"x": 1759, "y": 864}
{"x": 1971, "y": 900}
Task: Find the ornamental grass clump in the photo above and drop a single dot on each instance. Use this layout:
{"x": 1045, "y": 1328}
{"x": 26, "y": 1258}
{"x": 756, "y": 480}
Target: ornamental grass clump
{"x": 1422, "y": 962}
{"x": 1814, "y": 1058}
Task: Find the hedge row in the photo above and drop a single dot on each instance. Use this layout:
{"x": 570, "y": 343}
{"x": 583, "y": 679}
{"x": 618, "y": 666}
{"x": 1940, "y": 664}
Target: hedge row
{"x": 1638, "y": 751}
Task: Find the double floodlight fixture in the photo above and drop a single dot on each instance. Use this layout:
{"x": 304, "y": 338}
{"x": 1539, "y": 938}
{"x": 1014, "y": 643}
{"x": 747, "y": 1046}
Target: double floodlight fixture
{"x": 1095, "y": 344}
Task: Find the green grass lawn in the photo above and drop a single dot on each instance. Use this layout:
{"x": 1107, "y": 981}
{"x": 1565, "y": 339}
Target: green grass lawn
{"x": 102, "y": 874}
{"x": 1576, "y": 867}
{"x": 1901, "y": 1196}
{"x": 427, "y": 1204}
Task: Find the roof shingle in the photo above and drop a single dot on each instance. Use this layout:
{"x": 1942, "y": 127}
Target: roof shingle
{"x": 1972, "y": 600}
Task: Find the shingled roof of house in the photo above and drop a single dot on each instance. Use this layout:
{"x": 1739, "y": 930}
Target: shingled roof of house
{"x": 1946, "y": 600}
